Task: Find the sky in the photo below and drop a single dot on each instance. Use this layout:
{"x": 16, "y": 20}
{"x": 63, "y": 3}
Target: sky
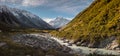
{"x": 50, "y": 9}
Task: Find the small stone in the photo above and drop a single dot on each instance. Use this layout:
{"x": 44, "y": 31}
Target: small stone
{"x": 84, "y": 44}
{"x": 0, "y": 31}
{"x": 118, "y": 51}
{"x": 92, "y": 45}
{"x": 49, "y": 55}
{"x": 28, "y": 55}
{"x": 69, "y": 44}
{"x": 72, "y": 42}
{"x": 66, "y": 41}
{"x": 117, "y": 48}
{"x": 78, "y": 43}
{"x": 2, "y": 44}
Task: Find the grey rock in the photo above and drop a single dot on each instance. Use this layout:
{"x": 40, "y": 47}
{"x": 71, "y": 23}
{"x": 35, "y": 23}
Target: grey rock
{"x": 107, "y": 41}
{"x": 93, "y": 45}
{"x": 84, "y": 44}
{"x": 117, "y": 48}
{"x": 28, "y": 55}
{"x": 49, "y": 55}
{"x": 70, "y": 44}
{"x": 2, "y": 44}
{"x": 78, "y": 43}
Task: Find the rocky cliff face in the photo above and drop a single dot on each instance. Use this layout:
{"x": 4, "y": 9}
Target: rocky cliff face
{"x": 12, "y": 18}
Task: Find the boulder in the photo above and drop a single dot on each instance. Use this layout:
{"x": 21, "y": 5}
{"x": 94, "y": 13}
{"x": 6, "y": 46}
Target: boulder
{"x": 72, "y": 41}
{"x": 117, "y": 48}
{"x": 93, "y": 45}
{"x": 66, "y": 41}
{"x": 104, "y": 43}
{"x": 113, "y": 46}
{"x": 78, "y": 43}
{"x": 69, "y": 44}
{"x": 84, "y": 44}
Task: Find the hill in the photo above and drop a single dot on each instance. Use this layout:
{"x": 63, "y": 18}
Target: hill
{"x": 100, "y": 21}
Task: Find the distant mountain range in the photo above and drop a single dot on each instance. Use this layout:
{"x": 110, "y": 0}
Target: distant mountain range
{"x": 13, "y": 18}
{"x": 59, "y": 22}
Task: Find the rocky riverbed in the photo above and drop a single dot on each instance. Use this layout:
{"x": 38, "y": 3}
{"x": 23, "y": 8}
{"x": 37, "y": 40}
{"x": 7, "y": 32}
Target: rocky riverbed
{"x": 86, "y": 50}
{"x": 47, "y": 42}
{"x": 40, "y": 41}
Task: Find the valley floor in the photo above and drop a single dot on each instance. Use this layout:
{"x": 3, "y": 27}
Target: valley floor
{"x": 37, "y": 44}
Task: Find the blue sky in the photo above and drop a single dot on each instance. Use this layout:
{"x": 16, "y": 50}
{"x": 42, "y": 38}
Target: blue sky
{"x": 50, "y": 9}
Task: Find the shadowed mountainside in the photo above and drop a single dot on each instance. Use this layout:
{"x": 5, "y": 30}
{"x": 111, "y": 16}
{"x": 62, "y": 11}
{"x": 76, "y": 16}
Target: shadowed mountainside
{"x": 12, "y": 18}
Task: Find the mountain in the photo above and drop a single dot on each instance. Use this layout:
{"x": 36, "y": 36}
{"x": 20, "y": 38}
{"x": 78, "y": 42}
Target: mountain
{"x": 13, "y": 18}
{"x": 59, "y": 22}
{"x": 100, "y": 21}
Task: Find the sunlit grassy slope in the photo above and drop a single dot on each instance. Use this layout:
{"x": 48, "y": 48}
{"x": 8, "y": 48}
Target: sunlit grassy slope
{"x": 100, "y": 20}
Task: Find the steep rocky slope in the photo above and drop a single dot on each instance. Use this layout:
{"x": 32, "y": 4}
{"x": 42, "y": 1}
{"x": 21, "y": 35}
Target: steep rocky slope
{"x": 100, "y": 21}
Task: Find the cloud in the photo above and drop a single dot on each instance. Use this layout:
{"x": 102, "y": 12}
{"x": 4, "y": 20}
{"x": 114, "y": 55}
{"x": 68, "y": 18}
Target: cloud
{"x": 65, "y": 6}
{"x": 24, "y": 2}
{"x": 67, "y": 9}
{"x": 33, "y": 2}
{"x": 11, "y": 1}
{"x": 2, "y": 0}
{"x": 68, "y": 6}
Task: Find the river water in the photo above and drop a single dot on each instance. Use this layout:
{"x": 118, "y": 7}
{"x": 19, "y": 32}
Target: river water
{"x": 86, "y": 50}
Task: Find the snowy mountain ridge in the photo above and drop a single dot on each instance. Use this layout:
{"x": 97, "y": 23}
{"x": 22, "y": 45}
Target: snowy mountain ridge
{"x": 16, "y": 18}
{"x": 59, "y": 22}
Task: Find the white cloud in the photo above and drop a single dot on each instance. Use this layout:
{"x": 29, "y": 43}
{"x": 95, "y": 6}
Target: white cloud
{"x": 33, "y": 2}
{"x": 11, "y": 1}
{"x": 68, "y": 6}
{"x": 67, "y": 9}
{"x": 2, "y": 0}
{"x": 65, "y": 6}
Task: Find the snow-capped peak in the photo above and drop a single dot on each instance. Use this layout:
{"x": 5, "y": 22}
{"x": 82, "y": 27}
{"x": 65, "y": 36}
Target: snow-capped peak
{"x": 59, "y": 22}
